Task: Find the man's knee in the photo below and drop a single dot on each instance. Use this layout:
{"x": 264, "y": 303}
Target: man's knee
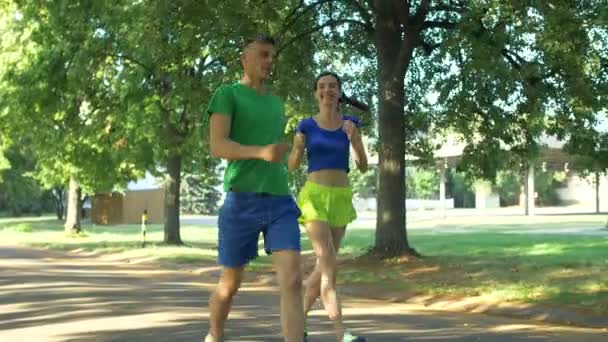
{"x": 293, "y": 281}
{"x": 288, "y": 270}
{"x": 229, "y": 283}
{"x": 227, "y": 290}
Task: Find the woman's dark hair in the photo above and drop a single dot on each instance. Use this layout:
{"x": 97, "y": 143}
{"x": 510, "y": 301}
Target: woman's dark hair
{"x": 329, "y": 73}
{"x": 343, "y": 99}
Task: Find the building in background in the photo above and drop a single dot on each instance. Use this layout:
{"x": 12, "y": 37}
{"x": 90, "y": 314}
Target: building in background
{"x": 576, "y": 190}
{"x": 127, "y": 207}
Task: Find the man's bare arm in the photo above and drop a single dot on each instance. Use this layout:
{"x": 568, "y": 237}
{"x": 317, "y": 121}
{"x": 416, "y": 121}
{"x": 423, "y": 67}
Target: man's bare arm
{"x": 223, "y": 147}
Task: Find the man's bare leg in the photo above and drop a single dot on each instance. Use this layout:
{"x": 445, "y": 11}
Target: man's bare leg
{"x": 221, "y": 302}
{"x": 287, "y": 265}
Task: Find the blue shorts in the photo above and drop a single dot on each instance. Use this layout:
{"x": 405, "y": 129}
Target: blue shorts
{"x": 245, "y": 215}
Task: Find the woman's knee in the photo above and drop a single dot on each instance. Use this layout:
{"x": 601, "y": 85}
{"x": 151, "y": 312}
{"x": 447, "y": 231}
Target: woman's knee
{"x": 325, "y": 254}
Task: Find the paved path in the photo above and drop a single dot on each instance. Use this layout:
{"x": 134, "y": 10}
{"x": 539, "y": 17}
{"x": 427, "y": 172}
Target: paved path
{"x": 48, "y": 296}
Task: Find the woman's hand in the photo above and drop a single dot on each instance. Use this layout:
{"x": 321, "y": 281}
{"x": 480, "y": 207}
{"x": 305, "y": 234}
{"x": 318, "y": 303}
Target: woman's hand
{"x": 354, "y": 137}
{"x": 297, "y": 151}
{"x": 299, "y": 141}
{"x": 351, "y": 130}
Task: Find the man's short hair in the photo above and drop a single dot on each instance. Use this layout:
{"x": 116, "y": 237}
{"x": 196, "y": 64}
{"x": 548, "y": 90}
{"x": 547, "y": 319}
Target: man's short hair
{"x": 258, "y": 38}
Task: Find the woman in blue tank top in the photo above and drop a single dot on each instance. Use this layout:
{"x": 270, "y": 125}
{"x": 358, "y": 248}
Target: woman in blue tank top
{"x": 326, "y": 200}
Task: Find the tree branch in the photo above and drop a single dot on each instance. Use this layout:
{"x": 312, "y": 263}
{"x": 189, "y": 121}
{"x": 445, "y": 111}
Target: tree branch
{"x": 448, "y": 25}
{"x": 508, "y": 56}
{"x": 365, "y": 15}
{"x": 317, "y": 29}
{"x": 457, "y": 8}
{"x": 428, "y": 47}
{"x": 411, "y": 27}
{"x": 295, "y": 9}
{"x": 518, "y": 62}
{"x": 296, "y": 16}
{"x": 212, "y": 62}
{"x": 171, "y": 132}
{"x": 185, "y": 124}
{"x": 134, "y": 61}
{"x": 371, "y": 5}
{"x": 422, "y": 12}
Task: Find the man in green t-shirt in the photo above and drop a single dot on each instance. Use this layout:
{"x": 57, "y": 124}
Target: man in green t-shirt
{"x": 247, "y": 127}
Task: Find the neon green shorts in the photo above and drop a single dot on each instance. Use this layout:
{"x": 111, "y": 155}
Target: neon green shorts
{"x": 333, "y": 205}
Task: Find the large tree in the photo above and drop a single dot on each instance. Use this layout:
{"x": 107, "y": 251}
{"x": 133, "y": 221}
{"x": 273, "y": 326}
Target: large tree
{"x": 500, "y": 68}
{"x": 165, "y": 84}
{"x": 52, "y": 94}
{"x": 139, "y": 75}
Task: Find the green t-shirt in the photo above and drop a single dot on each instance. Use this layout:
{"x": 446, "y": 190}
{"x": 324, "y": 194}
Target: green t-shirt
{"x": 255, "y": 120}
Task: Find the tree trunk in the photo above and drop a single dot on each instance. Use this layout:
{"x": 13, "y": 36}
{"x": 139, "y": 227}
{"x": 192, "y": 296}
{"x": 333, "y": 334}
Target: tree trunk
{"x": 597, "y": 192}
{"x": 172, "y": 205}
{"x": 391, "y": 232}
{"x": 442, "y": 189}
{"x": 72, "y": 220}
{"x": 530, "y": 190}
{"x": 59, "y": 196}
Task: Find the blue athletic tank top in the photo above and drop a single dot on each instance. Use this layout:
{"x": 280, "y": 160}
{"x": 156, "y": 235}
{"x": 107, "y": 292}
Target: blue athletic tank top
{"x": 326, "y": 149}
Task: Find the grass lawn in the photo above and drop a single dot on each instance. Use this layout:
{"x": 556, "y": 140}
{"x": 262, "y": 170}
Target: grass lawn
{"x": 533, "y": 268}
{"x": 123, "y": 239}
{"x": 565, "y": 269}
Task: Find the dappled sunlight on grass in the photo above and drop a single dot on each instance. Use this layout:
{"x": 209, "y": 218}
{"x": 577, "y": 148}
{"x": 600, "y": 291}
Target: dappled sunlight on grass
{"x": 422, "y": 270}
{"x": 352, "y": 276}
{"x": 351, "y": 250}
{"x": 542, "y": 268}
{"x": 594, "y": 286}
{"x": 521, "y": 291}
{"x": 545, "y": 249}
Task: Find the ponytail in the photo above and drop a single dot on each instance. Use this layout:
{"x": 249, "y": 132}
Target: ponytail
{"x": 354, "y": 102}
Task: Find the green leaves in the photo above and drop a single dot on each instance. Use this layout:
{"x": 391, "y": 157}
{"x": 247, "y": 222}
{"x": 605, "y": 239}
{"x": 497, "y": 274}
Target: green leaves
{"x": 515, "y": 73}
{"x": 108, "y": 90}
